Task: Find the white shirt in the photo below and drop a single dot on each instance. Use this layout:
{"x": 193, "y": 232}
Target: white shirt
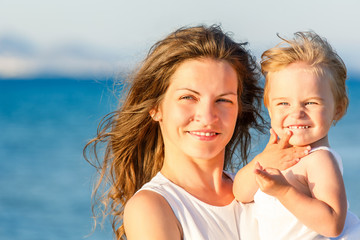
{"x": 201, "y": 221}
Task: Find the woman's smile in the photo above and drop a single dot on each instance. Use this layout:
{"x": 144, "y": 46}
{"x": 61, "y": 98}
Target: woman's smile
{"x": 204, "y": 135}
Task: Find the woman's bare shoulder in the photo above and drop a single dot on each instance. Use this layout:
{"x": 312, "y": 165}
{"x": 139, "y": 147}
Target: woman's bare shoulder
{"x": 147, "y": 215}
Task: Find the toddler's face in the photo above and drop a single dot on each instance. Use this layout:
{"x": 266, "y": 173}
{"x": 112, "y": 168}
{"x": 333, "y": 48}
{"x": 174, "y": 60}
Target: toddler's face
{"x": 302, "y": 102}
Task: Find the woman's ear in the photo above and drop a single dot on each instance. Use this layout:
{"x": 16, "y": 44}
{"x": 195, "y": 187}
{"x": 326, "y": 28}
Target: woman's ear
{"x": 155, "y": 114}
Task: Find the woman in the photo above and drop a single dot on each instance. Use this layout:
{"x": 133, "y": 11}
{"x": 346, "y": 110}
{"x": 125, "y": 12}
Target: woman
{"x": 190, "y": 107}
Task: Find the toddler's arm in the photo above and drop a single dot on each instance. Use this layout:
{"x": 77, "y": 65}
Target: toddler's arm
{"x": 277, "y": 154}
{"x": 325, "y": 211}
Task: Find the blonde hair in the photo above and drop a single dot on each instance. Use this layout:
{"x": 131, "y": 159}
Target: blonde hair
{"x": 310, "y": 48}
{"x": 134, "y": 150}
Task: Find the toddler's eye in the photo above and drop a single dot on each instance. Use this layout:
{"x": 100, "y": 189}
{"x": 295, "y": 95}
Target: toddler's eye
{"x": 310, "y": 103}
{"x": 283, "y": 103}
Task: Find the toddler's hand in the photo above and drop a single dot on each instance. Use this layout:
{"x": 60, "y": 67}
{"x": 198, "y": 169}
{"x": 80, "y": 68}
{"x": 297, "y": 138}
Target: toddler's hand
{"x": 271, "y": 181}
{"x": 279, "y": 154}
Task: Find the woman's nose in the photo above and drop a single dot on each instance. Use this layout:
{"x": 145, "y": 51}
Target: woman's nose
{"x": 206, "y": 114}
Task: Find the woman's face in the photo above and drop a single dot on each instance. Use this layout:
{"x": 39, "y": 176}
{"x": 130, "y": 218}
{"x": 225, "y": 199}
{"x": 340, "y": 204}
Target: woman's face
{"x": 198, "y": 113}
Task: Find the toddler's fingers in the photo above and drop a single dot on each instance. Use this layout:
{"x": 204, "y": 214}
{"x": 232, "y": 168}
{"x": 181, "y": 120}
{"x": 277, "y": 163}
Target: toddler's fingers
{"x": 284, "y": 141}
{"x": 299, "y": 152}
{"x": 273, "y": 136}
{"x": 258, "y": 166}
{"x": 263, "y": 174}
{"x": 289, "y": 163}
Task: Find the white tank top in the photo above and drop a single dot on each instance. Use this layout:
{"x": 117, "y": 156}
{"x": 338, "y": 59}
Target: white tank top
{"x": 201, "y": 221}
{"x": 276, "y": 222}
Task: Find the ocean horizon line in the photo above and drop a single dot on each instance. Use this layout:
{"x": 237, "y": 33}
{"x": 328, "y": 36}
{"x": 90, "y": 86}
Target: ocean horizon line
{"x": 101, "y": 78}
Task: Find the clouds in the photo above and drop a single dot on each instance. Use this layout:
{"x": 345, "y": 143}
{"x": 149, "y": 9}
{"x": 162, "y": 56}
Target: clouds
{"x": 21, "y": 58}
{"x": 95, "y": 37}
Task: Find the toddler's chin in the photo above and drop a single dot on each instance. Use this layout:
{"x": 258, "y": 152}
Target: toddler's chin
{"x": 295, "y": 142}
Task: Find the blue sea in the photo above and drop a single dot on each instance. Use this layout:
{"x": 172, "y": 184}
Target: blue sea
{"x": 45, "y": 184}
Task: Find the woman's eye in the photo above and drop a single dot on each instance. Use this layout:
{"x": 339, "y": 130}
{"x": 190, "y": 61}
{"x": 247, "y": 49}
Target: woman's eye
{"x": 224, "y": 100}
{"x": 187, "y": 97}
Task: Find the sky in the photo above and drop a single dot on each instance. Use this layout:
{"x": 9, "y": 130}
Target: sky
{"x": 97, "y": 38}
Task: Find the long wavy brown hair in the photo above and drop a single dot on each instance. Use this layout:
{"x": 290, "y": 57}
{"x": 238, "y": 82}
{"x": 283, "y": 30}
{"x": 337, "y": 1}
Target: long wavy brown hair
{"x": 130, "y": 142}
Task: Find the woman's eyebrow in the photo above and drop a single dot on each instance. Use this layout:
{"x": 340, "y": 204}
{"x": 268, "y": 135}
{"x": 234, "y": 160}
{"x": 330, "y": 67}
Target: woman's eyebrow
{"x": 196, "y": 92}
{"x": 228, "y": 93}
{"x": 188, "y": 89}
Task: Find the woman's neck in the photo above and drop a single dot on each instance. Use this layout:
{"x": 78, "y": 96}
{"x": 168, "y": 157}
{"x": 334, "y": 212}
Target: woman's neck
{"x": 202, "y": 178}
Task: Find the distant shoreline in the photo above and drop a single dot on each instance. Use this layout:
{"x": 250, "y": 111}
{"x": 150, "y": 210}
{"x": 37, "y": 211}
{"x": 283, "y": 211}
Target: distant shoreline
{"x": 351, "y": 78}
